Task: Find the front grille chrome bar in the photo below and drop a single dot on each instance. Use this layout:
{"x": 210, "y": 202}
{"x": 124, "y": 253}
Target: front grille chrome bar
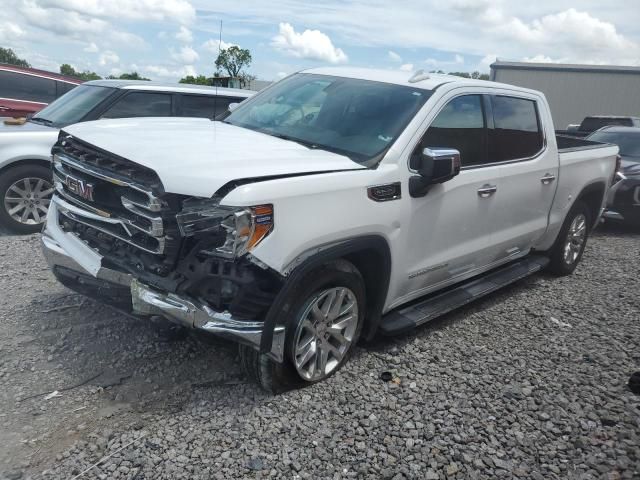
{"x": 102, "y": 224}
{"x": 60, "y": 160}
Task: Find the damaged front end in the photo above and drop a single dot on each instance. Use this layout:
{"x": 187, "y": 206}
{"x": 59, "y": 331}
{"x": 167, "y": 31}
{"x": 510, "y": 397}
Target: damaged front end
{"x": 185, "y": 258}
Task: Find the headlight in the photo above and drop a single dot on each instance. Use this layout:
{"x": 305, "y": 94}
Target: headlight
{"x": 244, "y": 227}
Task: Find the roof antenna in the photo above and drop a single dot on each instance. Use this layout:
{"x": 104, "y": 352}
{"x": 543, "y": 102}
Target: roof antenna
{"x": 215, "y": 99}
{"x": 419, "y": 76}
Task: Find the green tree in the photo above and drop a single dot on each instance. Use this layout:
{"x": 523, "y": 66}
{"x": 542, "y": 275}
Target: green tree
{"x": 129, "y": 76}
{"x": 475, "y": 75}
{"x": 66, "y": 69}
{"x": 8, "y": 56}
{"x": 199, "y": 80}
{"x": 234, "y": 60}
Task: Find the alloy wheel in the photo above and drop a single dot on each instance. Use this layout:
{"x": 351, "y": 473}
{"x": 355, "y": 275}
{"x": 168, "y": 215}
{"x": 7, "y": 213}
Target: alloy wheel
{"x": 575, "y": 239}
{"x": 27, "y": 200}
{"x": 325, "y": 333}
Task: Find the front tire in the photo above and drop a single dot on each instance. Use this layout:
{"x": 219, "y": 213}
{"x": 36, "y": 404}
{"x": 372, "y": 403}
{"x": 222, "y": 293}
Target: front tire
{"x": 324, "y": 316}
{"x": 25, "y": 194}
{"x": 571, "y": 242}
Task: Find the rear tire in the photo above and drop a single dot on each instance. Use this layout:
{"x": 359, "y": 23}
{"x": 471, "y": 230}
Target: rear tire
{"x": 25, "y": 193}
{"x": 324, "y": 316}
{"x": 567, "y": 251}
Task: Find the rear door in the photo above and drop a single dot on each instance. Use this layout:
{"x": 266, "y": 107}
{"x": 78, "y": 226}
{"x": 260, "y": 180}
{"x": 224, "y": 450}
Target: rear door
{"x": 526, "y": 171}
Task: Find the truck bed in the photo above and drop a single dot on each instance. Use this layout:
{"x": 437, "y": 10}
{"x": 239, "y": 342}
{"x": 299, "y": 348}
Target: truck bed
{"x": 582, "y": 163}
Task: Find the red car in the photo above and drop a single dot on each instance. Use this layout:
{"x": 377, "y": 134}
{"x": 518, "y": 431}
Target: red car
{"x": 28, "y": 90}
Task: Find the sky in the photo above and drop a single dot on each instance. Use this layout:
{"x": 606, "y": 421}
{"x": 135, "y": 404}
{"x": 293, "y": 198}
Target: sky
{"x": 168, "y": 39}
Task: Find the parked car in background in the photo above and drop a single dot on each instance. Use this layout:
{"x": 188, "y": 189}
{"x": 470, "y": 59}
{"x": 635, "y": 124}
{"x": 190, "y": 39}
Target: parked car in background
{"x": 623, "y": 202}
{"x": 25, "y": 149}
{"x": 24, "y": 91}
{"x": 332, "y": 205}
{"x": 595, "y": 122}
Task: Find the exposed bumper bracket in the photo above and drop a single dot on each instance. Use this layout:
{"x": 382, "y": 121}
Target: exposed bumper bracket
{"x": 149, "y": 301}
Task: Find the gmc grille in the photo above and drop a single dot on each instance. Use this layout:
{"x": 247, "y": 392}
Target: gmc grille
{"x": 116, "y": 206}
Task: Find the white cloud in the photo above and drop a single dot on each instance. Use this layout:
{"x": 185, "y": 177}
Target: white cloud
{"x": 457, "y": 60}
{"x": 186, "y": 55}
{"x": 164, "y": 72}
{"x": 74, "y": 25}
{"x": 281, "y": 74}
{"x": 184, "y": 35}
{"x": 180, "y": 11}
{"x": 214, "y": 46}
{"x": 108, "y": 57}
{"x": 394, "y": 57}
{"x": 10, "y": 31}
{"x": 310, "y": 44}
{"x": 91, "y": 48}
{"x": 486, "y": 62}
{"x": 406, "y": 67}
{"x": 595, "y": 32}
{"x": 542, "y": 59}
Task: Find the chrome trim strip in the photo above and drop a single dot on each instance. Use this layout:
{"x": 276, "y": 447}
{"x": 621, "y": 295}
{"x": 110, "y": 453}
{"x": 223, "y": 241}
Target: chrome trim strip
{"x": 59, "y": 186}
{"x": 190, "y": 313}
{"x": 155, "y": 204}
{"x": 78, "y": 214}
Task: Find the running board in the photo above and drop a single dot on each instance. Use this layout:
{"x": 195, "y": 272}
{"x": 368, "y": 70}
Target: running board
{"x": 405, "y": 319}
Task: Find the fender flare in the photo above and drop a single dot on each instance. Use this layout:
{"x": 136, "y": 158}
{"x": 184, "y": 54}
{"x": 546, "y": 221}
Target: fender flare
{"x": 315, "y": 257}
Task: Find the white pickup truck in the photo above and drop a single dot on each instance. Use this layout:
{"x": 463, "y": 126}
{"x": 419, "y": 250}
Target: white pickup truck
{"x": 335, "y": 204}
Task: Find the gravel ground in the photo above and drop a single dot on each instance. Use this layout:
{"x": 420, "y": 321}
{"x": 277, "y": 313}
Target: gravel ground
{"x": 530, "y": 383}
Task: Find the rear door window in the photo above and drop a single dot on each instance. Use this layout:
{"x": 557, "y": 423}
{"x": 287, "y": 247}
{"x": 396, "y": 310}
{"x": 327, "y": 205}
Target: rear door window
{"x": 516, "y": 132}
{"x": 206, "y": 106}
{"x": 460, "y": 125}
{"x": 140, "y": 104}
{"x": 20, "y": 86}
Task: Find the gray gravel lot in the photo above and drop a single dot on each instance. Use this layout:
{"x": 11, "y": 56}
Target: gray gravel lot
{"x": 530, "y": 383}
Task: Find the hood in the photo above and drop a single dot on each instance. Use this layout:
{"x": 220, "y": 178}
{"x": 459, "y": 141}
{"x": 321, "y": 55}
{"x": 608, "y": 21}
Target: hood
{"x": 195, "y": 156}
{"x": 630, "y": 166}
{"x": 25, "y": 127}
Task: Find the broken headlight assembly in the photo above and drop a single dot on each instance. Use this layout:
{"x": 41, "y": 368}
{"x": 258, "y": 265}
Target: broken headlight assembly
{"x": 244, "y": 227}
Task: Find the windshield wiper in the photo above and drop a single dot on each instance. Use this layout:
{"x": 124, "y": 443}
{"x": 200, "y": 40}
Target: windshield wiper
{"x": 44, "y": 121}
{"x": 304, "y": 143}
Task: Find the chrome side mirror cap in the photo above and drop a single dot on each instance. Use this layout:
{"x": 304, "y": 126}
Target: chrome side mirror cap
{"x": 433, "y": 165}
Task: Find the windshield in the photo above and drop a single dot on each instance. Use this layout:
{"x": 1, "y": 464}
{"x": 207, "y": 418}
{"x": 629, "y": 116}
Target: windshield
{"x": 72, "y": 106}
{"x": 357, "y": 118}
{"x": 629, "y": 143}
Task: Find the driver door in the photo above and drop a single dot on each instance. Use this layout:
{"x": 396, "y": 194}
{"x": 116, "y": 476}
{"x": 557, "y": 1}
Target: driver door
{"x": 450, "y": 228}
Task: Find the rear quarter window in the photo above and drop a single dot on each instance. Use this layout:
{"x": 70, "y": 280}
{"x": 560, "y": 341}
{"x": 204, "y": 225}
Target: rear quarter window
{"x": 20, "y": 86}
{"x": 517, "y": 132}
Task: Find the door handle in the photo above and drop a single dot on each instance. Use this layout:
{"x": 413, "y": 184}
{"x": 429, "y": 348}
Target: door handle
{"x": 487, "y": 190}
{"x": 547, "y": 179}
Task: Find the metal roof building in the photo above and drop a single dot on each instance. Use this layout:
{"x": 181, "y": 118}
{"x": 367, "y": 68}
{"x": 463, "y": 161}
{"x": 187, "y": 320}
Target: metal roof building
{"x": 576, "y": 91}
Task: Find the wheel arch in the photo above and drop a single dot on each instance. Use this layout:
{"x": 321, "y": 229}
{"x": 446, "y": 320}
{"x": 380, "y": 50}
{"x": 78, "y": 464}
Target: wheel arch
{"x": 370, "y": 254}
{"x": 18, "y": 162}
{"x": 593, "y": 196}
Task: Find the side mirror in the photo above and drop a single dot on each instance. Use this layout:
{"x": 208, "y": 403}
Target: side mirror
{"x": 434, "y": 165}
{"x": 233, "y": 106}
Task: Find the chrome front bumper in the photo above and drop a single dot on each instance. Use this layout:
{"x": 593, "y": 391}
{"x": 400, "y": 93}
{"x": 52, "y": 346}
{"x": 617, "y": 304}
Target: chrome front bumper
{"x": 149, "y": 301}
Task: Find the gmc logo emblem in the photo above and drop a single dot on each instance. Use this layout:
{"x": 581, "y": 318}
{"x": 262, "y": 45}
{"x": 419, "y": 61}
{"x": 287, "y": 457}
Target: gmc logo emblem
{"x": 79, "y": 187}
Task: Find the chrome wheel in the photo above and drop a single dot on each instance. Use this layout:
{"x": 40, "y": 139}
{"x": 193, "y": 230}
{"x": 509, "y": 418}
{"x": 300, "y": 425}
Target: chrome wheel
{"x": 325, "y": 333}
{"x": 575, "y": 239}
{"x": 27, "y": 200}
